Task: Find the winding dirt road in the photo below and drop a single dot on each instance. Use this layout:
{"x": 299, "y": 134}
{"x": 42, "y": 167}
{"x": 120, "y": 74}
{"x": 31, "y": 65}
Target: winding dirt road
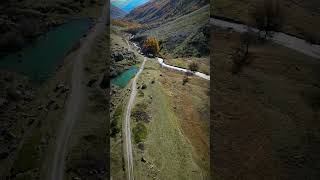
{"x": 75, "y": 103}
{"x": 127, "y": 128}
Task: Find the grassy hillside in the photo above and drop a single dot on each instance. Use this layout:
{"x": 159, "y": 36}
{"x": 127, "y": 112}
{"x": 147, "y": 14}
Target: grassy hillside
{"x": 186, "y": 36}
{"x": 300, "y": 18}
{"x": 266, "y": 117}
{"x": 159, "y": 11}
{"x": 176, "y": 144}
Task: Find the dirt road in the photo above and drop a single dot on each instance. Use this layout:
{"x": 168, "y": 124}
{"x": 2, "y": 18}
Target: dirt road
{"x": 75, "y": 102}
{"x": 283, "y": 39}
{"x": 127, "y": 128}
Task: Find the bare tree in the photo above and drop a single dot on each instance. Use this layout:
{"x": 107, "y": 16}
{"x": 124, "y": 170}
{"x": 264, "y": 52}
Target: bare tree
{"x": 268, "y": 16}
{"x": 241, "y": 53}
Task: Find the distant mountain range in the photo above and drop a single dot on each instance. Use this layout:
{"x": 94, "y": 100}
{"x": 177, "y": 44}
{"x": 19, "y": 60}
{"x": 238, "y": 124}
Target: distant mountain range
{"x": 116, "y": 12}
{"x": 128, "y": 5}
{"x": 157, "y": 11}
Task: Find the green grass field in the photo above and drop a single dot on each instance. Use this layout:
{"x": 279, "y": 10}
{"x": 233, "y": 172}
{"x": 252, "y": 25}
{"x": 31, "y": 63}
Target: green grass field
{"x": 168, "y": 152}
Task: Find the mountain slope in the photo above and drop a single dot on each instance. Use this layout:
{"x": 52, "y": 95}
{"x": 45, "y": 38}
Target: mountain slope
{"x": 158, "y": 11}
{"x": 185, "y": 36}
{"x": 300, "y": 18}
{"x": 116, "y": 12}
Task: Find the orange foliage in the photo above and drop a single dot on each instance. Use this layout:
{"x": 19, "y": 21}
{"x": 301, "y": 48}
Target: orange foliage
{"x": 151, "y": 45}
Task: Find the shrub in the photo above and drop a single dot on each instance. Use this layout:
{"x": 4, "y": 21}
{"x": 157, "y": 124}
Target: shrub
{"x": 241, "y": 53}
{"x": 114, "y": 126}
{"x": 151, "y": 45}
{"x": 185, "y": 79}
{"x": 139, "y": 132}
{"x": 267, "y": 16}
{"x": 193, "y": 66}
{"x": 140, "y": 113}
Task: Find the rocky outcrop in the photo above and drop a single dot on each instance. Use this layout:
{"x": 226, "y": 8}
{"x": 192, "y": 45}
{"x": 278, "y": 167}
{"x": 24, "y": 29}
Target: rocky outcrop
{"x": 123, "y": 54}
{"x": 118, "y": 55}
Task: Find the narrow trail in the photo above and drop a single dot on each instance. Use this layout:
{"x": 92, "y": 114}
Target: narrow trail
{"x": 127, "y": 127}
{"x": 76, "y": 102}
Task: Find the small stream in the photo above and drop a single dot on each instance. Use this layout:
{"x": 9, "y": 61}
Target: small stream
{"x": 41, "y": 58}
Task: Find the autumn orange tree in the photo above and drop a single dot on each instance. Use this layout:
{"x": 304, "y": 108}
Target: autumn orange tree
{"x": 151, "y": 45}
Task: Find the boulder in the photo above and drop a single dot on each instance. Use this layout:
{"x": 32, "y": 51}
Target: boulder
{"x": 123, "y": 54}
{"x": 144, "y": 86}
{"x": 59, "y": 86}
{"x": 91, "y": 82}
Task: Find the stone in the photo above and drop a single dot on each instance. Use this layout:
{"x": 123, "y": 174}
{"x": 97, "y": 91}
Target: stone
{"x": 91, "y": 82}
{"x": 143, "y": 160}
{"x": 144, "y": 86}
{"x": 59, "y": 86}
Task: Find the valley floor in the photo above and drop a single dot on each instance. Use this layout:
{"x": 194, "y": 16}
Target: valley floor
{"x": 170, "y": 126}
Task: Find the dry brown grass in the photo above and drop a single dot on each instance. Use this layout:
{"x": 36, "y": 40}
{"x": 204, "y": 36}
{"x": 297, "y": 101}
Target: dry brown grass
{"x": 127, "y": 25}
{"x": 263, "y": 119}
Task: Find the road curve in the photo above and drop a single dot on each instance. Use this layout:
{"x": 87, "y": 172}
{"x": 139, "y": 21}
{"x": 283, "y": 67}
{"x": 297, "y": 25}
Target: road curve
{"x": 283, "y": 39}
{"x": 75, "y": 103}
{"x": 199, "y": 74}
{"x": 127, "y": 128}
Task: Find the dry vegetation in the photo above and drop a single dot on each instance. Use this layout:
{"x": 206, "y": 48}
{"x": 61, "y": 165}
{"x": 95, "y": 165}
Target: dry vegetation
{"x": 128, "y": 26}
{"x": 299, "y": 18}
{"x": 151, "y": 45}
{"x": 265, "y": 117}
